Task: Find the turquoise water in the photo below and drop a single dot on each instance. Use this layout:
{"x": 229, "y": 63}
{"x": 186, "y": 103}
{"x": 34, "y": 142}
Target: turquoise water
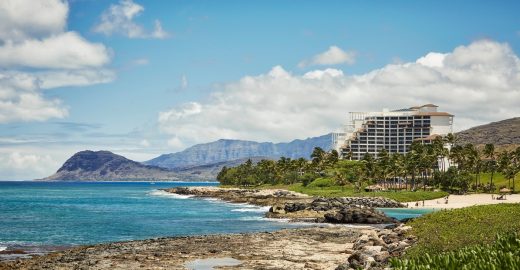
{"x": 404, "y": 213}
{"x": 51, "y": 214}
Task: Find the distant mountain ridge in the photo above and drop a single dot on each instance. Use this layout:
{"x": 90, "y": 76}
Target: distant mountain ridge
{"x": 500, "y": 133}
{"x": 107, "y": 166}
{"x": 228, "y": 150}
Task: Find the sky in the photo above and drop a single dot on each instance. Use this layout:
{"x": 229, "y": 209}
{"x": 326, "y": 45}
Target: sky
{"x": 142, "y": 78}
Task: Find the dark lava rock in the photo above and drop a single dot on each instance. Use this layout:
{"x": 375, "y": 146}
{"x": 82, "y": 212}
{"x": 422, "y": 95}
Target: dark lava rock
{"x": 358, "y": 215}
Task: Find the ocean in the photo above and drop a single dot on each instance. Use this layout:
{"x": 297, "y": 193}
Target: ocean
{"x": 42, "y": 216}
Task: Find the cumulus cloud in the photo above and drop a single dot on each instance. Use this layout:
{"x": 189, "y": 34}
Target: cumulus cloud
{"x": 24, "y": 19}
{"x": 66, "y": 51}
{"x": 37, "y": 52}
{"x": 333, "y": 56}
{"x": 478, "y": 83}
{"x": 119, "y": 19}
{"x": 21, "y": 100}
{"x": 22, "y": 165}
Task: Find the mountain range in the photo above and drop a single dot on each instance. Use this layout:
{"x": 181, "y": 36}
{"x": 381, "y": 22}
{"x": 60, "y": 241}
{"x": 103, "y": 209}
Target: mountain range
{"x": 201, "y": 162}
{"x": 204, "y": 161}
{"x": 502, "y": 134}
{"x": 229, "y": 150}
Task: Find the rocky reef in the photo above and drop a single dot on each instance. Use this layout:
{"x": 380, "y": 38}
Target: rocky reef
{"x": 300, "y": 207}
{"x": 319, "y": 248}
{"x": 263, "y": 197}
{"x": 337, "y": 210}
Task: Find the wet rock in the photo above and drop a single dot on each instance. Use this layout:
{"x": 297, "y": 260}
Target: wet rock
{"x": 358, "y": 215}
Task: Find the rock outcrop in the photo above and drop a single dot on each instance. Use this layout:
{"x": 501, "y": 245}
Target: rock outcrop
{"x": 373, "y": 249}
{"x": 355, "y": 215}
{"x": 337, "y": 210}
{"x": 262, "y": 197}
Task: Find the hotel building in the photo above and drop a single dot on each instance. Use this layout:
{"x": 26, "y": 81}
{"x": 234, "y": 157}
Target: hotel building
{"x": 369, "y": 132}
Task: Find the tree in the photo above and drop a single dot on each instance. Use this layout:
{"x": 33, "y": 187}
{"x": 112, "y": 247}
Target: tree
{"x": 318, "y": 157}
{"x": 383, "y": 163}
{"x": 369, "y": 166}
{"x": 506, "y": 166}
{"x": 489, "y": 152}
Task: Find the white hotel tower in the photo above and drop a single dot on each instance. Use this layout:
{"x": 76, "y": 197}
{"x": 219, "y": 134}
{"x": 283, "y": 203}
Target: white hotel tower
{"x": 369, "y": 132}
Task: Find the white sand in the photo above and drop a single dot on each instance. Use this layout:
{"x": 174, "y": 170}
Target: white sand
{"x": 459, "y": 201}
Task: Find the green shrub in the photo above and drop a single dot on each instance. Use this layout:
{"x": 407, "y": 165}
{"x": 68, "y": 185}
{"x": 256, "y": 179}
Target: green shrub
{"x": 503, "y": 254}
{"x": 322, "y": 182}
{"x": 307, "y": 178}
{"x": 450, "y": 230}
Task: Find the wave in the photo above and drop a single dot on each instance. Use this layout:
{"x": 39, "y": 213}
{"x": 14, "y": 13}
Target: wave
{"x": 252, "y": 209}
{"x": 211, "y": 199}
{"x": 252, "y": 218}
{"x": 2, "y": 248}
{"x": 162, "y": 193}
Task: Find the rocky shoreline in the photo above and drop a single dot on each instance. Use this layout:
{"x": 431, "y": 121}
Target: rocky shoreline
{"x": 300, "y": 207}
{"x": 325, "y": 247}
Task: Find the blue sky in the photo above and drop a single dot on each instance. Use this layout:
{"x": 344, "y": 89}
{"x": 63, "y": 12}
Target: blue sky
{"x": 163, "y": 89}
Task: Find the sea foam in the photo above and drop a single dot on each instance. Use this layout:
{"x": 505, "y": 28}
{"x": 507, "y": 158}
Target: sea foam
{"x": 162, "y": 193}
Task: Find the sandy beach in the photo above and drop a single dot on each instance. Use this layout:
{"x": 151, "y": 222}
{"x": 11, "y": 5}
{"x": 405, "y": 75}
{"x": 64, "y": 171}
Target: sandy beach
{"x": 460, "y": 201}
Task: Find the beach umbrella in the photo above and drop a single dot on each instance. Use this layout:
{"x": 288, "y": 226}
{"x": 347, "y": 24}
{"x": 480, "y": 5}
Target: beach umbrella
{"x": 505, "y": 190}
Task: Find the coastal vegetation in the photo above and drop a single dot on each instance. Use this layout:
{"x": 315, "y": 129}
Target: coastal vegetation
{"x": 477, "y": 237}
{"x": 503, "y": 254}
{"x": 434, "y": 169}
{"x": 450, "y": 230}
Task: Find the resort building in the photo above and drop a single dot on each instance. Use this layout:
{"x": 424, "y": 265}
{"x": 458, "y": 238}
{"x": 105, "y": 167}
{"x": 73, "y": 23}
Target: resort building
{"x": 369, "y": 132}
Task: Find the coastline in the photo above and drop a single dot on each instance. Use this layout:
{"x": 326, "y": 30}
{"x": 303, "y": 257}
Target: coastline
{"x": 316, "y": 246}
{"x": 460, "y": 201}
{"x": 319, "y": 247}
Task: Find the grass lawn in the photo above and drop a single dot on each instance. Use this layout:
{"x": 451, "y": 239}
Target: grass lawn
{"x": 450, "y": 230}
{"x": 341, "y": 191}
{"x": 499, "y": 180}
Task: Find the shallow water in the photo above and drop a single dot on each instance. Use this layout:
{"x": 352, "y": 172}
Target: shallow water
{"x": 405, "y": 213}
{"x": 47, "y": 215}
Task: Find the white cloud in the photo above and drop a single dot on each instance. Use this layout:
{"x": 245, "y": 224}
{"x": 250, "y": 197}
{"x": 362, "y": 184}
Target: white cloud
{"x": 20, "y": 100}
{"x": 158, "y": 31}
{"x": 33, "y": 38}
{"x": 478, "y": 83}
{"x": 79, "y": 77}
{"x": 23, "y": 19}
{"x": 184, "y": 82}
{"x": 175, "y": 143}
{"x": 22, "y": 165}
{"x": 333, "y": 56}
{"x": 144, "y": 143}
{"x": 66, "y": 50}
{"x": 119, "y": 19}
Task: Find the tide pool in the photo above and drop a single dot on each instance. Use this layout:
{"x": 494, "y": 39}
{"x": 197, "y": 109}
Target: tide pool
{"x": 53, "y": 214}
{"x": 405, "y": 213}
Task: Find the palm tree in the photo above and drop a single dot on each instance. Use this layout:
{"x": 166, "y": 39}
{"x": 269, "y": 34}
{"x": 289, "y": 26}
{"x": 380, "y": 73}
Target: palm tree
{"x": 369, "y": 166}
{"x": 505, "y": 164}
{"x": 383, "y": 162}
{"x": 318, "y": 157}
{"x": 473, "y": 161}
{"x": 450, "y": 139}
{"x": 489, "y": 152}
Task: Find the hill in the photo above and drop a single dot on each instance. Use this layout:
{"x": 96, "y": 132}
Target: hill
{"x": 502, "y": 133}
{"x": 107, "y": 166}
{"x": 230, "y": 150}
